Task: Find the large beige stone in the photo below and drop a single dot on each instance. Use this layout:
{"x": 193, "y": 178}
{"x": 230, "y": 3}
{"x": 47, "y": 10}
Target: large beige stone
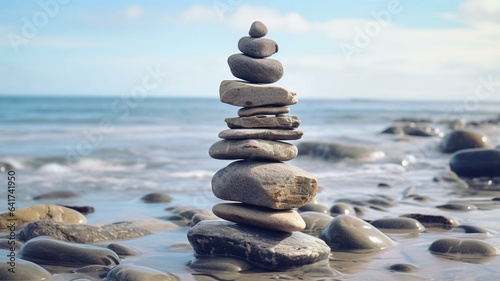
{"x": 239, "y": 93}
{"x": 41, "y": 212}
{"x": 252, "y": 149}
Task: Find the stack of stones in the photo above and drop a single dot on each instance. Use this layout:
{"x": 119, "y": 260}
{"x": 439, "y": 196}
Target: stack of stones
{"x": 265, "y": 189}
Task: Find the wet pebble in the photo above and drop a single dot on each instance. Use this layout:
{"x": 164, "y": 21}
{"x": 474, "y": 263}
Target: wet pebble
{"x": 398, "y": 225}
{"x": 471, "y": 229}
{"x": 59, "y": 194}
{"x": 476, "y": 163}
{"x": 314, "y": 207}
{"x": 138, "y": 273}
{"x": 463, "y": 139}
{"x": 433, "y": 221}
{"x": 466, "y": 248}
{"x": 122, "y": 250}
{"x": 23, "y": 270}
{"x": 219, "y": 264}
{"x": 403, "y": 267}
{"x": 315, "y": 222}
{"x": 84, "y": 210}
{"x": 156, "y": 197}
{"x": 94, "y": 271}
{"x": 202, "y": 217}
{"x": 462, "y": 207}
{"x": 8, "y": 244}
{"x": 342, "y": 209}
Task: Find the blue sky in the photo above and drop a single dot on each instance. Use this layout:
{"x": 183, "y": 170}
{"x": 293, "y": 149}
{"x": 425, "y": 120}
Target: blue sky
{"x": 392, "y": 49}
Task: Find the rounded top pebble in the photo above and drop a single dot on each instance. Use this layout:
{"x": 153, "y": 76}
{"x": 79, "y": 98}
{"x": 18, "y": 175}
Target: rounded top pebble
{"x": 257, "y": 30}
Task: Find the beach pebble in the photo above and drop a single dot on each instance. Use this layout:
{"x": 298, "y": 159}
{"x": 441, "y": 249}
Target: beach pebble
{"x": 465, "y": 248}
{"x": 255, "y": 70}
{"x": 156, "y": 197}
{"x": 8, "y": 244}
{"x": 257, "y": 47}
{"x": 45, "y": 250}
{"x": 23, "y": 271}
{"x": 380, "y": 201}
{"x": 403, "y": 267}
{"x": 267, "y": 184}
{"x": 412, "y": 130}
{"x": 241, "y": 93}
{"x": 342, "y": 209}
{"x": 433, "y": 221}
{"x": 462, "y": 207}
{"x": 398, "y": 225}
{"x": 127, "y": 272}
{"x": 6, "y": 166}
{"x": 201, "y": 217}
{"x": 59, "y": 194}
{"x": 261, "y": 247}
{"x": 122, "y": 250}
{"x": 463, "y": 139}
{"x": 336, "y": 151}
{"x": 82, "y": 233}
{"x": 265, "y": 134}
{"x": 463, "y": 228}
{"x": 351, "y": 234}
{"x": 217, "y": 264}
{"x": 94, "y": 271}
{"x": 314, "y": 207}
{"x": 285, "y": 220}
{"x": 263, "y": 110}
{"x": 43, "y": 212}
{"x": 476, "y": 163}
{"x": 257, "y": 29}
{"x": 260, "y": 122}
{"x": 253, "y": 149}
{"x": 383, "y": 184}
{"x": 84, "y": 210}
{"x": 315, "y": 222}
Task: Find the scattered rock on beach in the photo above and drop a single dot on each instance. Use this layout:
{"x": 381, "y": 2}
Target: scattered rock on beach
{"x": 217, "y": 264}
{"x": 253, "y": 149}
{"x": 93, "y": 271}
{"x": 315, "y": 222}
{"x": 463, "y": 248}
{"x": 122, "y": 250}
{"x": 43, "y": 212}
{"x": 433, "y": 221}
{"x": 477, "y": 162}
{"x": 59, "y": 194}
{"x": 24, "y": 270}
{"x": 126, "y": 272}
{"x": 403, "y": 267}
{"x": 462, "y": 207}
{"x": 463, "y": 139}
{"x": 465, "y": 228}
{"x": 314, "y": 207}
{"x": 156, "y": 197}
{"x": 398, "y": 225}
{"x": 342, "y": 209}
{"x": 336, "y": 151}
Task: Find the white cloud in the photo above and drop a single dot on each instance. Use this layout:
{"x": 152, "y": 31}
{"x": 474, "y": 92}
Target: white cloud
{"x": 133, "y": 12}
{"x": 480, "y": 11}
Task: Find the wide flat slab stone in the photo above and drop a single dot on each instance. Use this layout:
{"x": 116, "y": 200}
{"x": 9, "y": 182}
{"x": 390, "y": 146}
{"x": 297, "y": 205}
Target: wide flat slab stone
{"x": 283, "y": 220}
{"x": 261, "y": 247}
{"x": 266, "y": 134}
{"x": 240, "y": 93}
{"x": 263, "y": 110}
{"x": 273, "y": 185}
{"x": 252, "y": 149}
{"x": 255, "y": 70}
{"x": 259, "y": 122}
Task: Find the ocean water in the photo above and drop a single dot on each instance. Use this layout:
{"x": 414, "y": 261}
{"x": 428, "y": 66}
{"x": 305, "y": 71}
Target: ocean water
{"x": 114, "y": 151}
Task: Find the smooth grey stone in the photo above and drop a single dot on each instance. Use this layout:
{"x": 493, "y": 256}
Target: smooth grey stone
{"x": 260, "y": 122}
{"x": 255, "y": 70}
{"x": 380, "y": 201}
{"x": 201, "y": 217}
{"x": 46, "y": 250}
{"x": 383, "y": 184}
{"x": 57, "y": 195}
{"x": 412, "y": 130}
{"x": 8, "y": 244}
{"x": 315, "y": 222}
{"x": 257, "y": 29}
{"x": 463, "y": 139}
{"x": 94, "y": 271}
{"x": 156, "y": 197}
{"x": 253, "y": 149}
{"x": 261, "y": 247}
{"x": 241, "y": 93}
{"x": 257, "y": 47}
{"x": 187, "y": 212}
{"x": 82, "y": 233}
{"x": 202, "y": 264}
{"x": 475, "y": 163}
{"x": 23, "y": 271}
{"x": 403, "y": 267}
{"x": 462, "y": 207}
{"x": 342, "y": 209}
{"x": 265, "y": 134}
{"x": 126, "y": 272}
{"x": 84, "y": 210}
{"x": 263, "y": 110}
{"x": 465, "y": 248}
{"x": 336, "y": 151}
{"x": 398, "y": 225}
{"x": 267, "y": 184}
{"x": 471, "y": 229}
{"x": 314, "y": 207}
{"x": 122, "y": 250}
{"x": 433, "y": 221}
{"x": 351, "y": 234}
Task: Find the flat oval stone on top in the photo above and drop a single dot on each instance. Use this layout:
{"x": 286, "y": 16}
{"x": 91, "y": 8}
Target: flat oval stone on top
{"x": 253, "y": 149}
{"x": 255, "y": 70}
{"x": 266, "y": 134}
{"x": 264, "y": 110}
{"x": 240, "y": 93}
{"x": 259, "y": 122}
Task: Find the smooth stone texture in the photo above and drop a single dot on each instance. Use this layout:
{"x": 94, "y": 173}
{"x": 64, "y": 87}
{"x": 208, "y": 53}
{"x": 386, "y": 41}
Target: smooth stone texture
{"x": 82, "y": 233}
{"x": 24, "y": 271}
{"x": 351, "y": 234}
{"x": 266, "y": 134}
{"x": 259, "y": 122}
{"x": 471, "y": 229}
{"x": 122, "y": 250}
{"x": 257, "y": 29}
{"x": 263, "y": 110}
{"x": 255, "y": 70}
{"x": 266, "y": 184}
{"x": 403, "y": 267}
{"x": 315, "y": 222}
{"x": 84, "y": 210}
{"x": 286, "y": 220}
{"x": 257, "y": 47}
{"x": 462, "y": 207}
{"x": 57, "y": 195}
{"x": 8, "y": 244}
{"x": 253, "y": 149}
{"x": 156, "y": 197}
{"x": 336, "y": 151}
{"x": 126, "y": 272}
{"x": 260, "y": 247}
{"x": 45, "y": 250}
{"x": 342, "y": 209}
{"x": 398, "y": 225}
{"x": 412, "y": 130}
{"x": 463, "y": 139}
{"x": 314, "y": 207}
{"x": 465, "y": 248}
{"x": 43, "y": 212}
{"x": 201, "y": 217}
{"x": 433, "y": 221}
{"x": 94, "y": 271}
{"x": 217, "y": 264}
{"x": 241, "y": 93}
{"x": 476, "y": 163}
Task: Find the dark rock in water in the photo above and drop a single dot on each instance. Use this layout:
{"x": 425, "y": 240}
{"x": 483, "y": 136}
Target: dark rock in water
{"x": 84, "y": 210}
{"x": 257, "y": 47}
{"x": 44, "y": 250}
{"x": 315, "y": 222}
{"x": 313, "y": 207}
{"x": 463, "y": 248}
{"x": 463, "y": 139}
{"x": 380, "y": 201}
{"x": 351, "y": 234}
{"x": 342, "y": 209}
{"x": 217, "y": 264}
{"x": 94, "y": 271}
{"x": 412, "y": 130}
{"x": 403, "y": 267}
{"x": 122, "y": 250}
{"x": 255, "y": 70}
{"x": 471, "y": 229}
{"x": 383, "y": 184}
{"x": 81, "y": 233}
{"x": 476, "y": 163}
{"x": 7, "y": 244}
{"x": 433, "y": 221}
{"x": 138, "y": 273}
{"x": 156, "y": 197}
{"x": 257, "y": 29}
{"x": 284, "y": 122}
{"x": 57, "y": 195}
{"x": 260, "y": 247}
{"x": 335, "y": 151}
{"x": 462, "y": 207}
{"x": 398, "y": 225}
{"x": 24, "y": 271}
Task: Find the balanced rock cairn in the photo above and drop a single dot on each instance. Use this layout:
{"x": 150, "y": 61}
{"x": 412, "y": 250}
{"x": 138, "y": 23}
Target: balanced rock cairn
{"x": 265, "y": 189}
